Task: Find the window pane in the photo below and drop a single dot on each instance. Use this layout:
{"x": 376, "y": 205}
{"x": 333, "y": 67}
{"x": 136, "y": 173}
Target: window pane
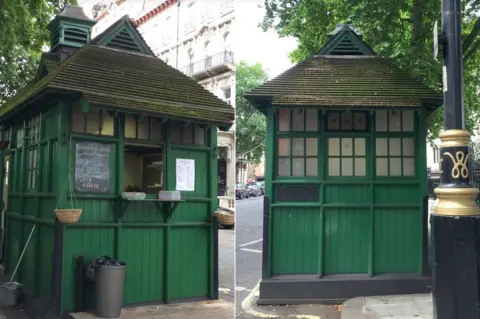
{"x": 312, "y": 146}
{"x": 311, "y": 120}
{"x": 333, "y": 121}
{"x": 312, "y": 166}
{"x": 360, "y": 166}
{"x": 359, "y": 147}
{"x": 409, "y": 166}
{"x": 394, "y": 121}
{"x": 130, "y": 126}
{"x": 108, "y": 123}
{"x": 298, "y": 120}
{"x": 381, "y": 121}
{"x": 333, "y": 146}
{"x": 408, "y": 147}
{"x": 155, "y": 129}
{"x": 381, "y": 147}
{"x": 93, "y": 121}
{"x": 334, "y": 166}
{"x": 284, "y": 147}
{"x": 284, "y": 120}
{"x": 78, "y": 120}
{"x": 199, "y": 135}
{"x": 347, "y": 166}
{"x": 347, "y": 121}
{"x": 176, "y": 131}
{"x": 284, "y": 167}
{"x": 187, "y": 136}
{"x": 408, "y": 121}
{"x": 143, "y": 127}
{"x": 395, "y": 166}
{"x": 359, "y": 121}
{"x": 382, "y": 167}
{"x": 298, "y": 146}
{"x": 298, "y": 166}
{"x": 347, "y": 147}
{"x": 394, "y": 146}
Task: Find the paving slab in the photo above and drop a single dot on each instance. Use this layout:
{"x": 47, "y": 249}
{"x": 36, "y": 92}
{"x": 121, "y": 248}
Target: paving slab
{"x": 418, "y": 306}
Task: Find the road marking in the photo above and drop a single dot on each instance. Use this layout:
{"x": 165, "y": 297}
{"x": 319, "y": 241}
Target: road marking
{"x": 251, "y": 250}
{"x": 251, "y": 243}
{"x": 224, "y": 289}
{"x": 238, "y": 288}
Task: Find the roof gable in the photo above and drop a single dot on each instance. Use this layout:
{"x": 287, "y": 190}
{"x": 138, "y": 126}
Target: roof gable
{"x": 123, "y": 35}
{"x": 346, "y": 41}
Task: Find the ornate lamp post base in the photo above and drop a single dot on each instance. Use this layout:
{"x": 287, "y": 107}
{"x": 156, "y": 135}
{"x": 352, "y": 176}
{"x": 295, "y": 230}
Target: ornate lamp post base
{"x": 455, "y": 228}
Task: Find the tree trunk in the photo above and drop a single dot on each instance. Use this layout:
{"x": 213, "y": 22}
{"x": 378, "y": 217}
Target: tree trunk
{"x": 417, "y": 19}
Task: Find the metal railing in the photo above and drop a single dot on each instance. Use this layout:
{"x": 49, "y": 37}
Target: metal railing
{"x": 222, "y": 58}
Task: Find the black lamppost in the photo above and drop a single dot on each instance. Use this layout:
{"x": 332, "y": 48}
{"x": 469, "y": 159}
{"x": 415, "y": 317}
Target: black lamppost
{"x": 455, "y": 216}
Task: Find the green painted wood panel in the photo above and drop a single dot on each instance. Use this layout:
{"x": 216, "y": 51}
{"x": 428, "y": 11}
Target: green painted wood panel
{"x": 142, "y": 212}
{"x": 90, "y": 242}
{"x": 347, "y": 233}
{"x": 351, "y": 193}
{"x": 95, "y": 210}
{"x": 143, "y": 248}
{"x": 188, "y": 263}
{"x": 296, "y": 236}
{"x": 398, "y": 194}
{"x": 398, "y": 238}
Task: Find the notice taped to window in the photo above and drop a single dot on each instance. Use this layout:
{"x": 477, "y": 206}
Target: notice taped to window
{"x": 185, "y": 175}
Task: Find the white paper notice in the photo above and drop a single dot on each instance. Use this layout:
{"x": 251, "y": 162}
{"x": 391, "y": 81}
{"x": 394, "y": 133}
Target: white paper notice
{"x": 185, "y": 175}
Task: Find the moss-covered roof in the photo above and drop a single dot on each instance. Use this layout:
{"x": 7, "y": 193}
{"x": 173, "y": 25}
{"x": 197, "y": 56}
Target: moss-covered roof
{"x": 129, "y": 80}
{"x": 346, "y": 81}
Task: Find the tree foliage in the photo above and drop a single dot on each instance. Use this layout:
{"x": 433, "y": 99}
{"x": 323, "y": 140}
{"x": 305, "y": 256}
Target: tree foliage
{"x": 250, "y": 123}
{"x": 23, "y": 35}
{"x": 400, "y": 30}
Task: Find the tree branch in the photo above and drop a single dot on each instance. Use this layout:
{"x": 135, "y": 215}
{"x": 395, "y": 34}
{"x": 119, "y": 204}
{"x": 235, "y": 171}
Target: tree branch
{"x": 473, "y": 49}
{"x": 471, "y": 37}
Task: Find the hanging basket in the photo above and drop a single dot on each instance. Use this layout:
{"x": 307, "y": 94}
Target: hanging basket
{"x": 225, "y": 217}
{"x": 69, "y": 215}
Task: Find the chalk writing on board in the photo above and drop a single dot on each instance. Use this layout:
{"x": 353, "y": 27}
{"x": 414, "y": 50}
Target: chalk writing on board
{"x": 92, "y": 167}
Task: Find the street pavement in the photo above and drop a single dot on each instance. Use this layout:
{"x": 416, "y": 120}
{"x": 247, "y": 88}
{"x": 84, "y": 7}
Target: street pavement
{"x": 221, "y": 309}
{"x": 249, "y": 241}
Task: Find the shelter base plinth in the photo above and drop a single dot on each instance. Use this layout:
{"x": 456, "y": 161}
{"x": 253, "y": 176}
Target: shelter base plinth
{"x": 335, "y": 289}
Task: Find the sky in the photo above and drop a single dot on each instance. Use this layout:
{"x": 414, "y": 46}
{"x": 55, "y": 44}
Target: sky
{"x": 252, "y": 45}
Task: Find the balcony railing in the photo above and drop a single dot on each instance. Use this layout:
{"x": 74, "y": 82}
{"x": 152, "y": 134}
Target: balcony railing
{"x": 226, "y": 7}
{"x": 190, "y": 26}
{"x": 209, "y": 63}
{"x": 207, "y": 17}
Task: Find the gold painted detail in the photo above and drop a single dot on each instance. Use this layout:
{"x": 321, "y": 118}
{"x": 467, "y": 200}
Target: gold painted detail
{"x": 454, "y": 138}
{"x": 456, "y": 202}
{"x": 460, "y": 167}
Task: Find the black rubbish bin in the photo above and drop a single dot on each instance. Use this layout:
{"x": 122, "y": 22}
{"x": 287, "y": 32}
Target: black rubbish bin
{"x": 109, "y": 288}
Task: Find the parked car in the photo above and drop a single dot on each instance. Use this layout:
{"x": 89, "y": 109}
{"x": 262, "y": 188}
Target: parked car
{"x": 254, "y": 190}
{"x": 262, "y": 186}
{"x": 241, "y": 191}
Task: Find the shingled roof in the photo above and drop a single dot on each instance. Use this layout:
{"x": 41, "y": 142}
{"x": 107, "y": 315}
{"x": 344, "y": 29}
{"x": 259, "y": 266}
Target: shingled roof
{"x": 128, "y": 80}
{"x": 336, "y": 78}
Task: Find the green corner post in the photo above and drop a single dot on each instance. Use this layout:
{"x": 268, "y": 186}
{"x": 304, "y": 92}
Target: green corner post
{"x": 455, "y": 216}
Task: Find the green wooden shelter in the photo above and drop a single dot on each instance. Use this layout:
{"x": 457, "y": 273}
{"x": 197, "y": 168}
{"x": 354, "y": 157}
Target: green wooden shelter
{"x": 346, "y": 178}
{"x": 103, "y": 117}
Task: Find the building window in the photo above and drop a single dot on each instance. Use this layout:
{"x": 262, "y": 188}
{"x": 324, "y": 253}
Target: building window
{"x": 346, "y": 121}
{"x": 96, "y": 121}
{"x": 395, "y": 156}
{"x": 347, "y": 156}
{"x": 394, "y": 121}
{"x": 297, "y": 156}
{"x": 32, "y": 167}
{"x": 187, "y": 133}
{"x": 297, "y": 120}
{"x": 143, "y": 127}
{"x": 32, "y": 130}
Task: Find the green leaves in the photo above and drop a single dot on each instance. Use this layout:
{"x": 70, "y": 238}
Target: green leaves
{"x": 250, "y": 123}
{"x": 399, "y": 30}
{"x": 23, "y": 35}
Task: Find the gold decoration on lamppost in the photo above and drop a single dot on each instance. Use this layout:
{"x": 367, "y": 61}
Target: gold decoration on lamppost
{"x": 459, "y": 201}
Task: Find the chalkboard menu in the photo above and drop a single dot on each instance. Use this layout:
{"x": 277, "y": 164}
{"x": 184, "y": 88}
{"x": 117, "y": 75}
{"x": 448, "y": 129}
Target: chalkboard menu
{"x": 92, "y": 167}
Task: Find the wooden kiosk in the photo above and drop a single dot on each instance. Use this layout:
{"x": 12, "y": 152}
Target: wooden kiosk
{"x": 346, "y": 177}
{"x": 103, "y": 117}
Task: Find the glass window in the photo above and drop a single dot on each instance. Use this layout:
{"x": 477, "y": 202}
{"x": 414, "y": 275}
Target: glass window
{"x": 311, "y": 118}
{"x": 347, "y": 121}
{"x": 130, "y": 126}
{"x": 395, "y": 156}
{"x": 32, "y": 167}
{"x": 284, "y": 120}
{"x": 347, "y": 156}
{"x": 32, "y": 130}
{"x": 187, "y": 133}
{"x": 297, "y": 120}
{"x": 395, "y": 121}
{"x": 297, "y": 156}
{"x": 143, "y": 127}
{"x": 96, "y": 121}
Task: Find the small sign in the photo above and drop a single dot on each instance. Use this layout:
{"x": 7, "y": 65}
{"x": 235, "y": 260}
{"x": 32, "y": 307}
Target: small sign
{"x": 185, "y": 175}
{"x": 435, "y": 40}
{"x": 445, "y": 77}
